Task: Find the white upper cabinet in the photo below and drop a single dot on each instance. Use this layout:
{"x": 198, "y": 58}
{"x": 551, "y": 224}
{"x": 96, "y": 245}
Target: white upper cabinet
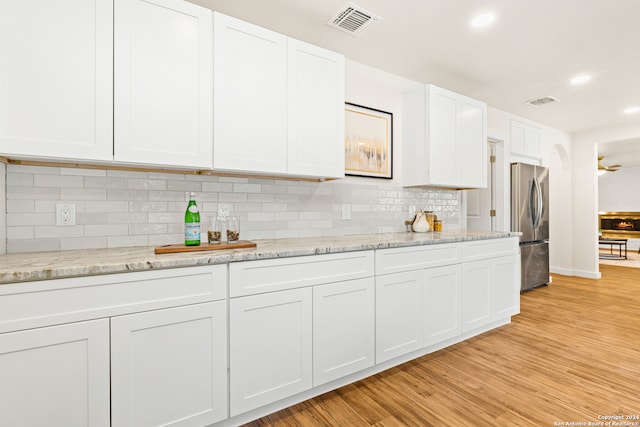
{"x": 316, "y": 111}
{"x": 104, "y": 80}
{"x": 444, "y": 139}
{"x": 163, "y": 90}
{"x": 278, "y": 103}
{"x": 56, "y": 79}
{"x": 250, "y": 102}
{"x": 526, "y": 141}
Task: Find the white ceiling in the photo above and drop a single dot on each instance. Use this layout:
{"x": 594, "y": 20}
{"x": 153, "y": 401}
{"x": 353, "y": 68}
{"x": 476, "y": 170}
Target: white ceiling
{"x": 533, "y": 49}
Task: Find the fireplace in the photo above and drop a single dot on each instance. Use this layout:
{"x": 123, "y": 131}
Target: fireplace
{"x": 620, "y": 224}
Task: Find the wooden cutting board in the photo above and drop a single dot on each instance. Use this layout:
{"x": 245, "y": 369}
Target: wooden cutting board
{"x": 171, "y": 249}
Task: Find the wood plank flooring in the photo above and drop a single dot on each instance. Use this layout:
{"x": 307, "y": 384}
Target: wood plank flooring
{"x": 571, "y": 355}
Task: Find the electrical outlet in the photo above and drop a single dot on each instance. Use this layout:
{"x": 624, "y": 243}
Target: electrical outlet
{"x": 346, "y": 212}
{"x": 65, "y": 214}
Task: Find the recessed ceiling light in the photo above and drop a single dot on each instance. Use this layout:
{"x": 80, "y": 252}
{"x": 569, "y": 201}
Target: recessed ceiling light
{"x": 581, "y": 79}
{"x": 632, "y": 110}
{"x": 483, "y": 20}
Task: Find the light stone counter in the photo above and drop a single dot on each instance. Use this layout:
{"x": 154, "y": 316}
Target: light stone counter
{"x": 59, "y": 264}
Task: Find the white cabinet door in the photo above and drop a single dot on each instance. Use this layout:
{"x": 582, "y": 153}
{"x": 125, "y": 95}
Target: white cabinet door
{"x": 250, "y": 102}
{"x": 399, "y": 314}
{"x": 506, "y": 286}
{"x": 163, "y": 84}
{"x": 270, "y": 347}
{"x": 56, "y": 79}
{"x": 472, "y": 143}
{"x": 526, "y": 141}
{"x": 443, "y": 134}
{"x": 315, "y": 111}
{"x": 55, "y": 376}
{"x": 169, "y": 367}
{"x": 446, "y": 134}
{"x": 442, "y": 303}
{"x": 343, "y": 329}
{"x": 476, "y": 294}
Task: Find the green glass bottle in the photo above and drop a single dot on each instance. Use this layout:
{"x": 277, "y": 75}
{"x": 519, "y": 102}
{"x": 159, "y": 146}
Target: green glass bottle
{"x": 192, "y": 223}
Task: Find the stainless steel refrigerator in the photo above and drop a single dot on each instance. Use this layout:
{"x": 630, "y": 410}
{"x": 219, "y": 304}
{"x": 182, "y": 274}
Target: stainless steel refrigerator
{"x": 530, "y": 216}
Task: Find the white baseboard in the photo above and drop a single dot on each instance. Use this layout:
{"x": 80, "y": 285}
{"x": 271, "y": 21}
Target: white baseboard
{"x": 579, "y": 273}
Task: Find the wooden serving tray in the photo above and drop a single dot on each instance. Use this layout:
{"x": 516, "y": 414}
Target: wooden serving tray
{"x": 171, "y": 249}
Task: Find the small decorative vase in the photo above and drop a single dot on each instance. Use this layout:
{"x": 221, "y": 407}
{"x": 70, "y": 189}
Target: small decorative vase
{"x": 421, "y": 224}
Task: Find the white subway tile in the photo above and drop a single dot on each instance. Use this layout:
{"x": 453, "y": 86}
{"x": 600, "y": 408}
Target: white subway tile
{"x": 20, "y": 206}
{"x": 20, "y": 179}
{"x": 247, "y": 188}
{"x": 233, "y": 179}
{"x": 83, "y": 172}
{"x": 59, "y": 181}
{"x": 25, "y": 219}
{"x": 140, "y": 206}
{"x": 49, "y": 231}
{"x": 71, "y": 243}
{"x": 105, "y": 182}
{"x": 33, "y": 169}
{"x": 165, "y": 239}
{"x": 166, "y": 196}
{"x": 232, "y": 197}
{"x": 218, "y": 187}
{"x": 165, "y": 217}
{"x": 106, "y": 206}
{"x": 20, "y": 233}
{"x": 135, "y": 229}
{"x": 127, "y": 174}
{"x": 274, "y": 207}
{"x": 126, "y": 218}
{"x": 32, "y": 193}
{"x": 106, "y": 230}
{"x": 261, "y": 216}
{"x": 122, "y": 241}
{"x": 96, "y": 218}
{"x": 121, "y": 194}
{"x": 184, "y": 185}
{"x": 83, "y": 194}
{"x": 35, "y": 245}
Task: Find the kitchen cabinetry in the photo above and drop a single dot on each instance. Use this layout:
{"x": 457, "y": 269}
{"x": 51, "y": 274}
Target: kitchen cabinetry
{"x": 526, "y": 141}
{"x": 104, "y": 80}
{"x": 442, "y": 304}
{"x": 270, "y": 347}
{"x": 56, "y": 376}
{"x": 489, "y": 279}
{"x": 163, "y": 99}
{"x": 343, "y": 329}
{"x": 287, "y": 324}
{"x": 279, "y": 103}
{"x": 399, "y": 314}
{"x": 169, "y": 367}
{"x": 56, "y": 79}
{"x": 167, "y": 327}
{"x": 446, "y": 136}
{"x": 420, "y": 305}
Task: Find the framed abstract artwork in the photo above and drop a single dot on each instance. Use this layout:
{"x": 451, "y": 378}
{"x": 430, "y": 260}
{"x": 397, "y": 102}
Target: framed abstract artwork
{"x": 368, "y": 142}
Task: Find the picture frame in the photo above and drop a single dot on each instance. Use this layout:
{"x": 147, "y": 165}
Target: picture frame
{"x": 368, "y": 142}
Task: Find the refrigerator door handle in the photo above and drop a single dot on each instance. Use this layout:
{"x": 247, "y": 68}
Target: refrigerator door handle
{"x": 531, "y": 203}
{"x": 538, "y": 203}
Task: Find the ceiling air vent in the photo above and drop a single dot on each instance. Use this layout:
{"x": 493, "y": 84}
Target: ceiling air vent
{"x": 542, "y": 101}
{"x": 353, "y": 19}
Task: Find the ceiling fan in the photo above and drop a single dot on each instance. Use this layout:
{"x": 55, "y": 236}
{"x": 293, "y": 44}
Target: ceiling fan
{"x": 602, "y": 169}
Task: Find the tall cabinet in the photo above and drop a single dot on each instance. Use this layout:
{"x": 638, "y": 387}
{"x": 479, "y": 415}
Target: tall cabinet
{"x": 279, "y": 103}
{"x": 445, "y": 134}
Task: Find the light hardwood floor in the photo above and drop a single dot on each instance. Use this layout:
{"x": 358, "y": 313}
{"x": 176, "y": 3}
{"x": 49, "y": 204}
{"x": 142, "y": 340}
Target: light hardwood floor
{"x": 571, "y": 355}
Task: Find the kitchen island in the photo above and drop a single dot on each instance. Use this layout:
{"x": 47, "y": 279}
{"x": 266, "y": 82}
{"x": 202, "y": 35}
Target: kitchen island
{"x": 234, "y": 335}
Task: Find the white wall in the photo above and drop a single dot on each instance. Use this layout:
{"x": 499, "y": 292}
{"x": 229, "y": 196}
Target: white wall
{"x": 618, "y": 191}
{"x": 585, "y": 195}
{"x": 556, "y": 153}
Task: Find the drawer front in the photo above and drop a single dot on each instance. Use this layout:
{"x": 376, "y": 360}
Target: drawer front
{"x": 396, "y": 260}
{"x": 492, "y": 248}
{"x": 34, "y": 304}
{"x": 255, "y": 277}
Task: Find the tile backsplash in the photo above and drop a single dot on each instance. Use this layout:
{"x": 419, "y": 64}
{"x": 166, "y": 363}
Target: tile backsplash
{"x": 117, "y": 208}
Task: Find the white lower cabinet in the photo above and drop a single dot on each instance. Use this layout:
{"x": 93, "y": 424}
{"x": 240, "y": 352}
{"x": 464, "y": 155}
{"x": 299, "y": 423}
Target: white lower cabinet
{"x": 442, "y": 299}
{"x": 270, "y": 347}
{"x": 168, "y": 367}
{"x": 399, "y": 314}
{"x": 490, "y": 290}
{"x": 55, "y": 376}
{"x": 343, "y": 329}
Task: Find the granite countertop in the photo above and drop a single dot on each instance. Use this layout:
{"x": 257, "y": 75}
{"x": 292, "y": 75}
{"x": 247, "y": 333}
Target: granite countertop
{"x": 75, "y": 263}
